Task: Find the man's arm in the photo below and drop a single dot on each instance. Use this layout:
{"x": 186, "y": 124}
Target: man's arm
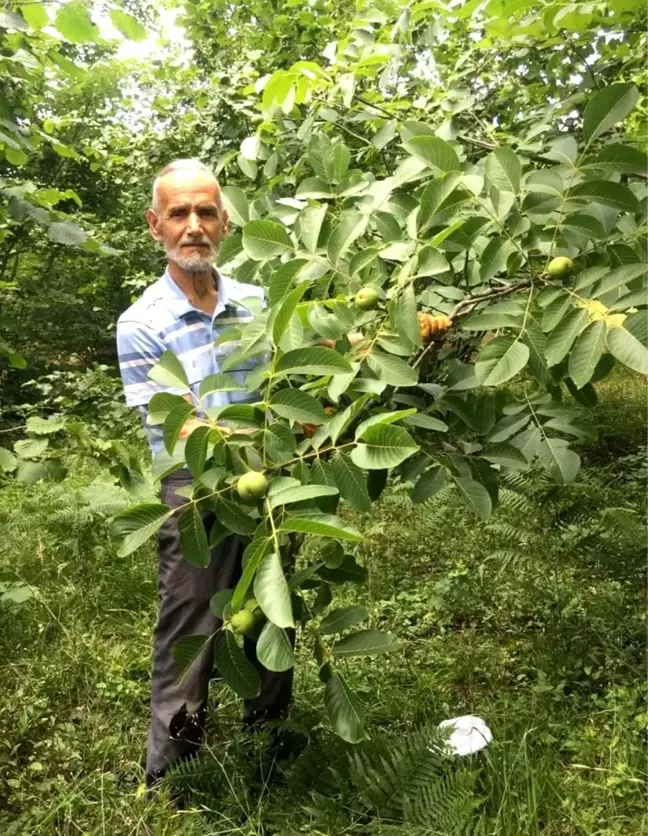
{"x": 138, "y": 351}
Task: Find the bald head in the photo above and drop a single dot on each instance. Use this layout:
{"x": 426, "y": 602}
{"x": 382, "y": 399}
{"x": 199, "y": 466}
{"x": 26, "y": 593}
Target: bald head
{"x": 179, "y": 170}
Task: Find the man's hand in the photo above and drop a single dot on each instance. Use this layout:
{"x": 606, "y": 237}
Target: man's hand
{"x": 190, "y": 425}
{"x": 354, "y": 337}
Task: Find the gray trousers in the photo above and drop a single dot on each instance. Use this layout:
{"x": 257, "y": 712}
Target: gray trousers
{"x": 178, "y": 711}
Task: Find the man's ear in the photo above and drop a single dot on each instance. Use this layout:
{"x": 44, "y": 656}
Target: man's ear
{"x": 225, "y": 228}
{"x": 153, "y": 225}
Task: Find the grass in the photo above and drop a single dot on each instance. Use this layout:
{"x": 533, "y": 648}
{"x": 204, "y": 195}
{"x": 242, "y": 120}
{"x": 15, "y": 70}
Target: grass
{"x": 534, "y": 621}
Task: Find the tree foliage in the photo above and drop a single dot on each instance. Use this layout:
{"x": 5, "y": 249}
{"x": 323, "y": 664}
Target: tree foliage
{"x": 444, "y": 157}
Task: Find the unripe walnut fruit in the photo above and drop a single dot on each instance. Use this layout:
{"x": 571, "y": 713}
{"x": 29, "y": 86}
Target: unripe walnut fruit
{"x": 366, "y": 298}
{"x": 252, "y": 485}
{"x": 560, "y": 267}
{"x": 242, "y": 622}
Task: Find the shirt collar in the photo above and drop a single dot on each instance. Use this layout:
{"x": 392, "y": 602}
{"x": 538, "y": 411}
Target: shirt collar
{"x": 178, "y": 303}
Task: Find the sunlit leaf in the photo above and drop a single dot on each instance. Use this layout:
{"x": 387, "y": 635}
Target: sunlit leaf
{"x": 608, "y": 106}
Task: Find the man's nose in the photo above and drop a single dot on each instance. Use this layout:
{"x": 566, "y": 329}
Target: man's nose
{"x": 193, "y": 223}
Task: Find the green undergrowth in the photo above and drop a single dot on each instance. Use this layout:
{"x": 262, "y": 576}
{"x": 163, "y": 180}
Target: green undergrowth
{"x": 534, "y": 621}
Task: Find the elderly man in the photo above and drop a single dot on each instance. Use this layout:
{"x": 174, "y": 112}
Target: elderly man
{"x": 185, "y": 311}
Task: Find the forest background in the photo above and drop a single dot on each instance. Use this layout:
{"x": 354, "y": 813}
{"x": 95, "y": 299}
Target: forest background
{"x": 532, "y": 616}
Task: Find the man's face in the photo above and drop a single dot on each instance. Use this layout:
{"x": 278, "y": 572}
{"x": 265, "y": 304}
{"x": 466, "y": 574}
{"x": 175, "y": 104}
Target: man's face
{"x": 190, "y": 221}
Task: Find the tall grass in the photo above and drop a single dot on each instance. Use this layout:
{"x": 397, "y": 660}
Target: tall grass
{"x": 534, "y": 621}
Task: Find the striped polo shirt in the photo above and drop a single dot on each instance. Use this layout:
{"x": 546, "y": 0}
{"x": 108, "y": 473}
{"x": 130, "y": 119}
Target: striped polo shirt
{"x": 163, "y": 319}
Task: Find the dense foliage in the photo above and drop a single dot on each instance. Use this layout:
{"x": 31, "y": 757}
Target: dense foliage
{"x": 463, "y": 187}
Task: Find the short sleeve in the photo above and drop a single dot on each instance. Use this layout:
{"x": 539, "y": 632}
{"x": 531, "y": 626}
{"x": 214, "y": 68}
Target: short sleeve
{"x": 138, "y": 350}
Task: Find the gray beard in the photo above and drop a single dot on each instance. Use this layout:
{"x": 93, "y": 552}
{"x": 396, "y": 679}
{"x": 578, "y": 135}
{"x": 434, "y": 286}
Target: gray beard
{"x": 195, "y": 263}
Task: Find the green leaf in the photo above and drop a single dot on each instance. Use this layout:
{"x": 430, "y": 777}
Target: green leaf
{"x": 320, "y": 156}
{"x": 234, "y": 666}
{"x": 272, "y": 592}
{"x": 286, "y": 310}
{"x": 494, "y": 317}
{"x": 475, "y": 495}
{"x": 351, "y": 481}
{"x": 500, "y": 360}
{"x": 434, "y": 152}
{"x": 232, "y": 516}
{"x": 623, "y": 159}
{"x": 35, "y": 14}
{"x": 365, "y": 643}
{"x": 627, "y": 348}
{"x": 584, "y": 225}
{"x": 406, "y": 316}
{"x": 193, "y": 538}
{"x": 392, "y": 370}
{"x": 8, "y": 461}
{"x": 185, "y": 652}
{"x": 344, "y": 710}
{"x": 619, "y": 277}
{"x": 298, "y": 493}
{"x": 555, "y": 311}
{"x": 345, "y": 233}
{"x": 382, "y": 418}
{"x": 429, "y": 483}
{"x": 274, "y": 650}
{"x": 169, "y": 371}
{"x": 608, "y": 106}
{"x": 196, "y": 450}
{"x": 341, "y": 619}
{"x": 133, "y": 526}
{"x": 173, "y": 424}
{"x": 315, "y": 189}
{"x": 505, "y": 455}
{"x": 73, "y": 22}
{"x": 561, "y": 339}
{"x": 586, "y": 353}
{"x": 44, "y": 426}
{"x": 252, "y": 557}
{"x": 265, "y": 239}
{"x": 28, "y": 473}
{"x": 282, "y": 279}
{"x": 309, "y": 224}
{"x": 385, "y": 447}
{"x": 219, "y": 383}
{"x": 296, "y": 405}
{"x": 561, "y": 463}
{"x": 433, "y": 197}
{"x": 64, "y": 232}
{"x": 509, "y": 426}
{"x": 494, "y": 258}
{"x": 31, "y": 448}
{"x": 236, "y": 204}
{"x": 313, "y": 360}
{"x": 323, "y": 525}
{"x": 127, "y": 25}
{"x": 606, "y": 193}
{"x": 503, "y": 169}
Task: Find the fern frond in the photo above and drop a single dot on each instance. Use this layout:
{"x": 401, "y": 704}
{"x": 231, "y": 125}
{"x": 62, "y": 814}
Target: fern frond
{"x": 511, "y": 500}
{"x": 415, "y": 780}
{"x": 506, "y": 531}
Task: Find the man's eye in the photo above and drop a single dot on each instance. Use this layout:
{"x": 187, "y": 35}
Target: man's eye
{"x": 210, "y": 213}
{"x": 177, "y": 214}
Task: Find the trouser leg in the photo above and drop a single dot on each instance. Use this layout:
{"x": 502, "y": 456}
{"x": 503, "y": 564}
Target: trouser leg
{"x": 184, "y": 592}
{"x": 276, "y": 688}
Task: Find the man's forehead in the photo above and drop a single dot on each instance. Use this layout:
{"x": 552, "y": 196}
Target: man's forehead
{"x": 188, "y": 187}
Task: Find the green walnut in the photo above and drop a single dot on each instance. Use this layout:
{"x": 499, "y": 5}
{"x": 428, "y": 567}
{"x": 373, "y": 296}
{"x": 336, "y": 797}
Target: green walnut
{"x": 251, "y": 605}
{"x": 366, "y": 298}
{"x": 560, "y": 267}
{"x": 242, "y": 622}
{"x": 252, "y": 485}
